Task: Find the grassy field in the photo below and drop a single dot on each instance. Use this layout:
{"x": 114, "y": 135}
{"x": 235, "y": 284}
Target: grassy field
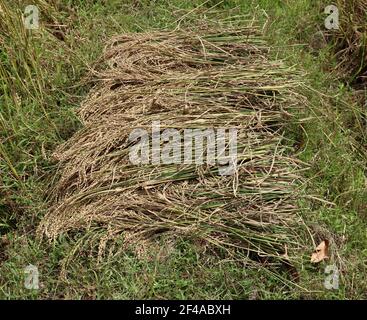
{"x": 42, "y": 81}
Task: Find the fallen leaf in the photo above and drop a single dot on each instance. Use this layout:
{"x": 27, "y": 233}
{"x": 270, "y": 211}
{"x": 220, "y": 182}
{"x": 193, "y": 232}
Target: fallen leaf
{"x": 321, "y": 252}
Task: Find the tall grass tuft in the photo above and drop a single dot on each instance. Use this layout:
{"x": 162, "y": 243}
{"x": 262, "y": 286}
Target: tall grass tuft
{"x": 351, "y": 42}
{"x": 32, "y": 81}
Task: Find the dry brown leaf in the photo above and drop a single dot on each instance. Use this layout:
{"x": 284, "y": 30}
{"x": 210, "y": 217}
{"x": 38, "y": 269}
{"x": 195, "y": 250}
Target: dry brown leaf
{"x": 321, "y": 252}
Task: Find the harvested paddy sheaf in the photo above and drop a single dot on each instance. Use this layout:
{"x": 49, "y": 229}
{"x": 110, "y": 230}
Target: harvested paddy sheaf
{"x": 212, "y": 78}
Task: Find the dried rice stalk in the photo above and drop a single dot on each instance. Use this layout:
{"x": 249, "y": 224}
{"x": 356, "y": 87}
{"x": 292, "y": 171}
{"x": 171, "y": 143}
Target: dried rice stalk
{"x": 213, "y": 78}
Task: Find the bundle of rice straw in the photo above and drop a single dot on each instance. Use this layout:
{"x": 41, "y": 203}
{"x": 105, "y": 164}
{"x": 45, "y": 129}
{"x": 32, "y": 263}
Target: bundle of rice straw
{"x": 213, "y": 78}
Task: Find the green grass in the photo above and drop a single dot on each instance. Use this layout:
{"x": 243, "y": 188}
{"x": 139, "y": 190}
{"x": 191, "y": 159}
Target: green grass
{"x": 40, "y": 87}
